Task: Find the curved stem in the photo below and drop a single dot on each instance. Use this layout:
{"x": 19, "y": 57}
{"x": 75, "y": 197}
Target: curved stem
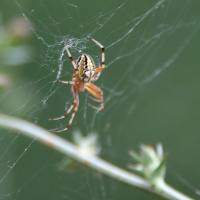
{"x": 68, "y": 149}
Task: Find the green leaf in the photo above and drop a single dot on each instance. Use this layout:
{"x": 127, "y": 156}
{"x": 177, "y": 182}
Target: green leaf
{"x": 160, "y": 170}
{"x": 136, "y": 170}
{"x": 135, "y": 156}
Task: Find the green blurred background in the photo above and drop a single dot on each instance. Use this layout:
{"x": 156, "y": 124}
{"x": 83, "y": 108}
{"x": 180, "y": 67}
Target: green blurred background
{"x": 151, "y": 91}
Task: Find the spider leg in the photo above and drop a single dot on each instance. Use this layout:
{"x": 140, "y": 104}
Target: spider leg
{"x": 94, "y": 99}
{"x": 63, "y": 116}
{"x": 69, "y": 110}
{"x": 97, "y": 70}
{"x": 66, "y": 82}
{"x": 74, "y": 106}
{"x": 97, "y": 93}
{"x": 70, "y": 56}
{"x": 100, "y": 69}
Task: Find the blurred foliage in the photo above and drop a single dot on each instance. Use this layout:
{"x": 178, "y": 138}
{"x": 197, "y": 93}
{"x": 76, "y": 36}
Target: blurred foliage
{"x": 15, "y": 52}
{"x": 150, "y": 163}
{"x": 88, "y": 145}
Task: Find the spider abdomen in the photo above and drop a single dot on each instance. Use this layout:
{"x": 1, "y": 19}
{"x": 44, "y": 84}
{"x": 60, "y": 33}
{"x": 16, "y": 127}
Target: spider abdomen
{"x": 85, "y": 66}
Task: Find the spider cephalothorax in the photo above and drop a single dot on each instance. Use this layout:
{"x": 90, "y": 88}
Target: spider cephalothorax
{"x": 85, "y": 73}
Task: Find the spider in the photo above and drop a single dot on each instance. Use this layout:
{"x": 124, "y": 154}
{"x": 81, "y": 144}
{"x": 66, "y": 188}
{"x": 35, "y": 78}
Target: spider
{"x": 85, "y": 73}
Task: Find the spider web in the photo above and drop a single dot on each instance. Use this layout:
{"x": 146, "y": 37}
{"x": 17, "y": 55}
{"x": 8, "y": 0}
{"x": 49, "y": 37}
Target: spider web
{"x": 150, "y": 85}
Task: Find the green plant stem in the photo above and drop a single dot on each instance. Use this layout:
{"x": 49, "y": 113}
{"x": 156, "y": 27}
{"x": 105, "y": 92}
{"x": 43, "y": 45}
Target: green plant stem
{"x": 68, "y": 149}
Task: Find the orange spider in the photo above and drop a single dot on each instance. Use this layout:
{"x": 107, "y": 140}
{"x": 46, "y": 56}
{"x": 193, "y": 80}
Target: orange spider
{"x": 85, "y": 72}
